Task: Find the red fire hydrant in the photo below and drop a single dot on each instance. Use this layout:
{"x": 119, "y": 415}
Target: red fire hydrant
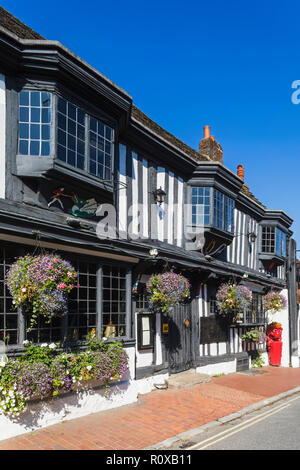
{"x": 274, "y": 343}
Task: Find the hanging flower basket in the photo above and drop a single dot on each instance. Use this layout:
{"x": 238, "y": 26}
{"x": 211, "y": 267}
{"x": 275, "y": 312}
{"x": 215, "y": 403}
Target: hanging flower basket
{"x": 232, "y": 299}
{"x": 41, "y": 284}
{"x": 274, "y": 302}
{"x": 167, "y": 290}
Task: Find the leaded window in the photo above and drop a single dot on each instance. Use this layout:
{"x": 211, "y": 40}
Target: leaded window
{"x": 70, "y": 134}
{"x": 273, "y": 240}
{"x": 212, "y": 207}
{"x": 35, "y": 118}
{"x": 200, "y": 206}
{"x": 8, "y": 314}
{"x": 101, "y": 302}
{"x": 114, "y": 301}
{"x": 218, "y": 209}
{"x": 229, "y": 214}
{"x": 78, "y": 140}
{"x": 100, "y": 149}
{"x": 82, "y": 316}
{"x": 280, "y": 243}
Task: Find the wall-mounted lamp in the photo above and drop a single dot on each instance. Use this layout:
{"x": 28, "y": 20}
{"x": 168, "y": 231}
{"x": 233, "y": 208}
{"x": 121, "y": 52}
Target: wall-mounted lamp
{"x": 252, "y": 237}
{"x": 159, "y": 195}
{"x": 153, "y": 253}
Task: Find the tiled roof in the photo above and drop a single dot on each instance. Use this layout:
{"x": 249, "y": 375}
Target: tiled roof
{"x": 12, "y": 24}
{"x": 139, "y": 116}
{"x": 245, "y": 190}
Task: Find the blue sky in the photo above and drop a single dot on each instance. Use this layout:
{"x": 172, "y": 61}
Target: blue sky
{"x": 192, "y": 63}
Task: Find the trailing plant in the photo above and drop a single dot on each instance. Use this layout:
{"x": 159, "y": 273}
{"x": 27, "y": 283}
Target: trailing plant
{"x": 167, "y": 290}
{"x": 259, "y": 361}
{"x": 254, "y": 335}
{"x": 274, "y": 302}
{"x": 41, "y": 371}
{"x": 41, "y": 285}
{"x": 232, "y": 297}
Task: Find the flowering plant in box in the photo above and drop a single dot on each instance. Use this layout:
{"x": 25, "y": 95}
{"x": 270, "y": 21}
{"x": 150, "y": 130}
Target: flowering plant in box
{"x": 255, "y": 335}
{"x": 41, "y": 284}
{"x": 274, "y": 302}
{"x": 231, "y": 297}
{"x": 42, "y": 371}
{"x": 167, "y": 290}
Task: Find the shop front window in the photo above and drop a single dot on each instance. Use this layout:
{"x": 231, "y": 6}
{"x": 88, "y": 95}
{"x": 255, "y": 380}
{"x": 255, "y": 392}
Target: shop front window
{"x": 99, "y": 302}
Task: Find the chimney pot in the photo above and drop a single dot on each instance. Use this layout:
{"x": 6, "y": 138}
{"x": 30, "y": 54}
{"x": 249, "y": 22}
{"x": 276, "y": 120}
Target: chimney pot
{"x": 240, "y": 172}
{"x": 206, "y": 132}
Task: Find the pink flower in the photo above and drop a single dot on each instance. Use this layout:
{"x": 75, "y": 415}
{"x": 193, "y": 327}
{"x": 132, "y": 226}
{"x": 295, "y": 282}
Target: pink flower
{"x": 50, "y": 266}
{"x": 78, "y": 285}
{"x": 70, "y": 274}
{"x": 61, "y": 286}
{"x": 55, "y": 260}
{"x": 71, "y": 286}
{"x": 52, "y": 278}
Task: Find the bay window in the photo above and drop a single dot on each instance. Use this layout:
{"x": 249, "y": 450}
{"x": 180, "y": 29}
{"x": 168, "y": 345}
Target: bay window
{"x": 51, "y": 126}
{"x": 212, "y": 207}
{"x": 273, "y": 240}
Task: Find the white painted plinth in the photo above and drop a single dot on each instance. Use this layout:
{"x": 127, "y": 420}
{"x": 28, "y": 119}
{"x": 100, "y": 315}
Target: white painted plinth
{"x": 218, "y": 368}
{"x": 43, "y": 413}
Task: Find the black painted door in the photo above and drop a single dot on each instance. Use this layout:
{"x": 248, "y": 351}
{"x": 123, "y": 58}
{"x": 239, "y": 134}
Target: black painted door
{"x": 179, "y": 342}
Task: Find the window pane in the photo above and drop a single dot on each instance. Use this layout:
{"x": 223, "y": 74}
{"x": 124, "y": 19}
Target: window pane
{"x": 45, "y": 149}
{"x": 113, "y": 306}
{"x": 200, "y": 206}
{"x": 35, "y": 98}
{"x": 31, "y": 132}
{"x": 34, "y": 148}
{"x": 23, "y": 147}
{"x": 71, "y": 134}
{"x": 24, "y": 131}
{"x": 97, "y": 146}
{"x": 24, "y": 98}
{"x": 218, "y": 209}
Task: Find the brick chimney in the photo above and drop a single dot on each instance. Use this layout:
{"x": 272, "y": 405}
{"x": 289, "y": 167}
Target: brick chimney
{"x": 240, "y": 171}
{"x": 210, "y": 147}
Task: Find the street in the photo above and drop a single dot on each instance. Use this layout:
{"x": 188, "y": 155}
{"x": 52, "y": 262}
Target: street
{"x": 274, "y": 427}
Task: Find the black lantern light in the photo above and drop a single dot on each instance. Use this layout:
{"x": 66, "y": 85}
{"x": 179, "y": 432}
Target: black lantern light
{"x": 160, "y": 195}
{"x": 252, "y": 237}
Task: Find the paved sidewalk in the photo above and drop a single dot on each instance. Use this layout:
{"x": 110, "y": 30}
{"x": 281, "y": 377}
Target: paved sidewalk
{"x": 160, "y": 414}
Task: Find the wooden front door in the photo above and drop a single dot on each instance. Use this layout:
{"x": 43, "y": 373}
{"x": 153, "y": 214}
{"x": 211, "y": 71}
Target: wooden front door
{"x": 179, "y": 342}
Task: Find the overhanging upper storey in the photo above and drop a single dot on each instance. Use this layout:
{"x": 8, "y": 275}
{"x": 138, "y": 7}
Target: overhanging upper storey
{"x": 275, "y": 232}
{"x": 66, "y": 113}
{"x": 211, "y": 196}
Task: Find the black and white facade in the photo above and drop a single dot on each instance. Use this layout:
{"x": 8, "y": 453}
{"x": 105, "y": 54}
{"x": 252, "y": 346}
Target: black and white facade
{"x": 79, "y": 168}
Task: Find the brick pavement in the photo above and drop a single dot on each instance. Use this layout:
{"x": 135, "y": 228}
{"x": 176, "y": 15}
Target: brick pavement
{"x": 160, "y": 414}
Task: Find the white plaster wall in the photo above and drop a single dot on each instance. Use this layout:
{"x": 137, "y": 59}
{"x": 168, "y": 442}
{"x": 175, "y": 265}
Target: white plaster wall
{"x": 158, "y": 340}
{"x": 219, "y": 368}
{"x": 147, "y": 384}
{"x": 2, "y": 135}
